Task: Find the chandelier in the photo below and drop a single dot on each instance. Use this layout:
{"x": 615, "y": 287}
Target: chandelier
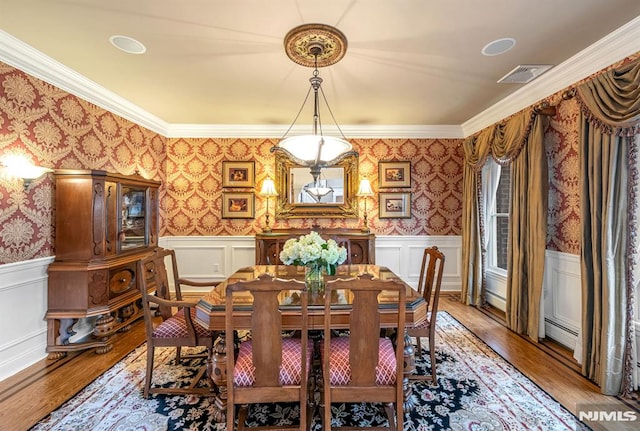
{"x": 315, "y": 45}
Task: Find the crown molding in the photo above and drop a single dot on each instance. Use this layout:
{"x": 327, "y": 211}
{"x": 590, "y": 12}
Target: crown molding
{"x": 612, "y": 48}
{"x": 272, "y": 131}
{"x": 24, "y": 57}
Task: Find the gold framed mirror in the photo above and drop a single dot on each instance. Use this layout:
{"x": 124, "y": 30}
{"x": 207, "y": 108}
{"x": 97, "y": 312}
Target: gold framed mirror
{"x": 294, "y": 202}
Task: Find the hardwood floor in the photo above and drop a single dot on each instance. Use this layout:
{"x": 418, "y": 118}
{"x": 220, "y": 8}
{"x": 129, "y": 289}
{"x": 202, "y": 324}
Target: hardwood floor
{"x": 30, "y": 395}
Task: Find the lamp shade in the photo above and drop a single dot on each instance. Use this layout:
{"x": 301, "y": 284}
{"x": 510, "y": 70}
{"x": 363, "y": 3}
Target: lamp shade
{"x": 364, "y": 190}
{"x": 305, "y": 148}
{"x": 268, "y": 188}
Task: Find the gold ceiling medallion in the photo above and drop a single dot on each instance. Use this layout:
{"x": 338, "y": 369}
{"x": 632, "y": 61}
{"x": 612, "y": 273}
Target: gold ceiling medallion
{"x": 315, "y": 45}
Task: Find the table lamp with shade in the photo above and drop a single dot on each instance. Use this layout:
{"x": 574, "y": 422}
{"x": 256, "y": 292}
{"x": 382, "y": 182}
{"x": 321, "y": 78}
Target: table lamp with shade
{"x": 364, "y": 191}
{"x": 268, "y": 191}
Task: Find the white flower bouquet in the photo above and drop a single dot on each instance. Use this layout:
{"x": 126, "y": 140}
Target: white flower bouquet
{"x": 314, "y": 252}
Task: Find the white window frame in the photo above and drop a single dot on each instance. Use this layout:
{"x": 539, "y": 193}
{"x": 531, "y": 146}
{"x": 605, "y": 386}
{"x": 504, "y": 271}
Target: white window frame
{"x": 491, "y": 219}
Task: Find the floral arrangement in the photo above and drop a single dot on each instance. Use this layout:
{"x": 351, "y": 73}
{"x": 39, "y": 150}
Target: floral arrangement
{"x": 314, "y": 252}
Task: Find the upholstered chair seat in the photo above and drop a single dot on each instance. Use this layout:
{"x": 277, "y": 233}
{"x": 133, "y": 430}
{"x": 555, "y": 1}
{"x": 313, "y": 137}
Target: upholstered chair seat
{"x": 340, "y": 373}
{"x": 244, "y": 373}
{"x": 176, "y": 327}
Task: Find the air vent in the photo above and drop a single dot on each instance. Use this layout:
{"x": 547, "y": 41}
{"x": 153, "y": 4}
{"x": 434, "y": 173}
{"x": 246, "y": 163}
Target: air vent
{"x": 524, "y": 73}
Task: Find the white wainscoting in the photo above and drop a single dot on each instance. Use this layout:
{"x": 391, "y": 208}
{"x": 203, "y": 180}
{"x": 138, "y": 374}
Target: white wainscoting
{"x": 23, "y": 304}
{"x": 215, "y": 258}
{"x": 496, "y": 289}
{"x": 562, "y": 297}
{"x": 403, "y": 256}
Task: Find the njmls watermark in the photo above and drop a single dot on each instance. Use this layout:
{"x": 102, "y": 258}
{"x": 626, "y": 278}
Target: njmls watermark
{"x": 606, "y": 413}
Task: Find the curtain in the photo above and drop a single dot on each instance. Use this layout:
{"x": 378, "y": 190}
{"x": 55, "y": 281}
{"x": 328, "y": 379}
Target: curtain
{"x": 476, "y": 150}
{"x": 519, "y": 139}
{"x": 527, "y": 229}
{"x": 610, "y": 106}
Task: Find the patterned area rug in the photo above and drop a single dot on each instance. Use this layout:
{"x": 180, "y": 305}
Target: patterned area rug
{"x": 477, "y": 390}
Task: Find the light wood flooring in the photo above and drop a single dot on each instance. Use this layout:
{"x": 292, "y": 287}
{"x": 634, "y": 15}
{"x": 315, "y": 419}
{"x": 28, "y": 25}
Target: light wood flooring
{"x": 30, "y": 395}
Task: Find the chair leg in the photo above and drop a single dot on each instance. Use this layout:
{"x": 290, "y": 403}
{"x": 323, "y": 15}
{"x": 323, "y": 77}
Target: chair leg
{"x": 326, "y": 416}
{"x": 243, "y": 412}
{"x": 391, "y": 416}
{"x": 178, "y": 354}
{"x": 432, "y": 353}
{"x": 231, "y": 415}
{"x": 147, "y": 377}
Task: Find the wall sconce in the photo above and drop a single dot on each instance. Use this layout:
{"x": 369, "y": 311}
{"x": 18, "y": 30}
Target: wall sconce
{"x": 364, "y": 191}
{"x": 268, "y": 190}
{"x": 20, "y": 167}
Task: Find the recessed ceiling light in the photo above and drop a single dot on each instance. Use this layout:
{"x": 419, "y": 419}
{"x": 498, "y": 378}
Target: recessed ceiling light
{"x": 499, "y": 46}
{"x": 127, "y": 44}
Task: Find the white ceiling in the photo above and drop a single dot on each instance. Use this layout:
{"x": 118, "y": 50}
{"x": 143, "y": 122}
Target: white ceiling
{"x": 220, "y": 65}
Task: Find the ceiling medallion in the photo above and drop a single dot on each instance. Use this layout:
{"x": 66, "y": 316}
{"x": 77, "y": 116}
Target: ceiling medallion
{"x": 311, "y": 43}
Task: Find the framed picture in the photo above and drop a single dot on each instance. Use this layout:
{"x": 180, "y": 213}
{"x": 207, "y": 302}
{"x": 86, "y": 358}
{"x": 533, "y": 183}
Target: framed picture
{"x": 238, "y": 205}
{"x": 238, "y": 174}
{"x": 394, "y": 174}
{"x": 394, "y": 205}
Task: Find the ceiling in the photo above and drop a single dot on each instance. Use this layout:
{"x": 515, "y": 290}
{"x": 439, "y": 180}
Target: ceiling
{"x": 409, "y": 63}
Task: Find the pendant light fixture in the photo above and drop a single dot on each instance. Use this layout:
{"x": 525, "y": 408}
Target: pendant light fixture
{"x": 315, "y": 45}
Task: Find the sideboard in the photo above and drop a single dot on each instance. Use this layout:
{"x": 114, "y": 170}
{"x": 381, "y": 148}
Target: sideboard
{"x": 360, "y": 246}
{"x": 104, "y": 223}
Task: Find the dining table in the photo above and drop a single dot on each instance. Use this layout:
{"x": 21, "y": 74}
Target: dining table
{"x": 210, "y": 313}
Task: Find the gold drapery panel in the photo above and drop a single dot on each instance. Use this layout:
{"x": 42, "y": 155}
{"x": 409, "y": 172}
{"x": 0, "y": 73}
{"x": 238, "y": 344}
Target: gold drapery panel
{"x": 610, "y": 106}
{"x": 506, "y": 142}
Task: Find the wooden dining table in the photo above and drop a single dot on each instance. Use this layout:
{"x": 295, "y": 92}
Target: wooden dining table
{"x": 210, "y": 313}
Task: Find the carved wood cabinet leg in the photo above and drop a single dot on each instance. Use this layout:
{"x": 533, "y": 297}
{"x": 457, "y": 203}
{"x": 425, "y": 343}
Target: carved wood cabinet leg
{"x": 217, "y": 371}
{"x": 102, "y": 329}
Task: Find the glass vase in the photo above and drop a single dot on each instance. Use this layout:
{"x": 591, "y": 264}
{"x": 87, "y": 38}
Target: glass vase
{"x": 314, "y": 279}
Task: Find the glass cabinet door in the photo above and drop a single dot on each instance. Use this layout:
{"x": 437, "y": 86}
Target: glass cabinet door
{"x": 133, "y": 221}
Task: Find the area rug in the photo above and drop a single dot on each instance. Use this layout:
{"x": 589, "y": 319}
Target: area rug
{"x": 477, "y": 390}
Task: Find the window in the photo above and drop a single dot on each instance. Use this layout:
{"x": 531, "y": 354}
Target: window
{"x": 497, "y": 225}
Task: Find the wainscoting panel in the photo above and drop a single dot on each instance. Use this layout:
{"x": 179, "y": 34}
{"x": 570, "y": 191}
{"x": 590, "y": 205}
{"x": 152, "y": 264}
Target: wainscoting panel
{"x": 210, "y": 258}
{"x": 562, "y": 297}
{"x": 403, "y": 255}
{"x": 496, "y": 289}
{"x": 23, "y": 304}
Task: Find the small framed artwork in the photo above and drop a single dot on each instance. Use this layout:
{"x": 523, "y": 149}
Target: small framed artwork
{"x": 394, "y": 174}
{"x": 238, "y": 205}
{"x": 394, "y": 205}
{"x": 238, "y": 174}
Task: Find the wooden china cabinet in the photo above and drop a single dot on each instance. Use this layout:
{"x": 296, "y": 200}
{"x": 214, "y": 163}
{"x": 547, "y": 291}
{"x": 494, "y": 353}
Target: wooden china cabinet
{"x": 104, "y": 223}
{"x": 360, "y": 246}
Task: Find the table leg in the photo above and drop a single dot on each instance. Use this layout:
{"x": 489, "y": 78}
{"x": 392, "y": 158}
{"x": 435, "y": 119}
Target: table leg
{"x": 410, "y": 400}
{"x": 217, "y": 371}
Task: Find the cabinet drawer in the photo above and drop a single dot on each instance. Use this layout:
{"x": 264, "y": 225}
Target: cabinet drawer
{"x": 122, "y": 280}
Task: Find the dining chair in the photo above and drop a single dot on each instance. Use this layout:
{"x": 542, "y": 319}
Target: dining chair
{"x": 268, "y": 368}
{"x": 429, "y": 286}
{"x": 362, "y": 366}
{"x": 177, "y": 326}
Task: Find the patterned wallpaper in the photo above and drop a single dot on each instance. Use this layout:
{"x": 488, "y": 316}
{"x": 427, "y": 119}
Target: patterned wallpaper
{"x": 192, "y": 200}
{"x": 561, "y": 145}
{"x": 58, "y": 130}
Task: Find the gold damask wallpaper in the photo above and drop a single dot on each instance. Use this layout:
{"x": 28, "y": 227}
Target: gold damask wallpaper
{"x": 561, "y": 144}
{"x": 58, "y": 130}
{"x": 192, "y": 200}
